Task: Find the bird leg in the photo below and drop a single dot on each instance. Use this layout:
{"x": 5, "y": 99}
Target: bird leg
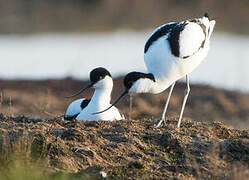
{"x": 186, "y": 93}
{"x": 130, "y": 111}
{"x": 157, "y": 124}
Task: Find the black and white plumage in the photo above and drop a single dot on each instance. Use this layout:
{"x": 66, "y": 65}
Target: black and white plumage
{"x": 75, "y": 108}
{"x": 83, "y": 109}
{"x": 171, "y": 52}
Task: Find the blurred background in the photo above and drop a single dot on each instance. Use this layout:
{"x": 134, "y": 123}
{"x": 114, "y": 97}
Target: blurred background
{"x": 62, "y": 39}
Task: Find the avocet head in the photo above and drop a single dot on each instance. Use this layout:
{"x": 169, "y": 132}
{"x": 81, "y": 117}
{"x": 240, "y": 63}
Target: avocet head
{"x": 100, "y": 79}
{"x": 134, "y": 82}
{"x": 138, "y": 82}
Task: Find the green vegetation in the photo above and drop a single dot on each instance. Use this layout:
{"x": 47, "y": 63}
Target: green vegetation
{"x": 17, "y": 168}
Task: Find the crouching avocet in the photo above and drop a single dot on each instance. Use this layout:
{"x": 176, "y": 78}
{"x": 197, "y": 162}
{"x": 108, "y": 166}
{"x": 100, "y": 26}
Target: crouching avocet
{"x": 83, "y": 109}
{"x": 171, "y": 52}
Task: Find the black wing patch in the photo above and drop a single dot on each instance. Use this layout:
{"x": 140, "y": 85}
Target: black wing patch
{"x": 159, "y": 33}
{"x": 174, "y": 39}
{"x": 84, "y": 103}
{"x": 71, "y": 117}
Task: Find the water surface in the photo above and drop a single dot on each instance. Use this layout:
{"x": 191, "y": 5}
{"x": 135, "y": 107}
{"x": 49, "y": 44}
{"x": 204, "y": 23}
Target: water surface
{"x": 62, "y": 55}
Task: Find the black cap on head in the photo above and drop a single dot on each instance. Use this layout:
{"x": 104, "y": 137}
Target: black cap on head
{"x": 95, "y": 75}
{"x": 131, "y": 77}
{"x": 98, "y": 74}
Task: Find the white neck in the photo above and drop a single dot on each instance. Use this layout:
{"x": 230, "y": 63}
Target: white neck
{"x": 102, "y": 93}
{"x": 101, "y": 97}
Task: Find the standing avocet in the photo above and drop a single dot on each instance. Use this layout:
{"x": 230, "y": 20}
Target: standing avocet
{"x": 172, "y": 51}
{"x": 83, "y": 109}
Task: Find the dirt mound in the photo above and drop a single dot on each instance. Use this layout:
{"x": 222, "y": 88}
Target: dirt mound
{"x": 45, "y": 99}
{"x": 129, "y": 149}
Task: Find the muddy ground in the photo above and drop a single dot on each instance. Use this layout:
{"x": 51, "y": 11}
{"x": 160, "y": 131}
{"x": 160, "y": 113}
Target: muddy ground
{"x": 45, "y": 99}
{"x": 203, "y": 148}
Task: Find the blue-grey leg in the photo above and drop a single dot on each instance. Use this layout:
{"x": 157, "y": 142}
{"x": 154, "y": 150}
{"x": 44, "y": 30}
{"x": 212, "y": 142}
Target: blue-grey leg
{"x": 165, "y": 108}
{"x": 186, "y": 93}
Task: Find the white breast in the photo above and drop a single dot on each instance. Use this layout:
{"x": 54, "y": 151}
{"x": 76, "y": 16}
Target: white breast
{"x": 190, "y": 40}
{"x": 109, "y": 115}
{"x": 100, "y": 101}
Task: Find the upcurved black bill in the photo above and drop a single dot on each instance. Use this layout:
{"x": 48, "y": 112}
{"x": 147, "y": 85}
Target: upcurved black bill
{"x": 80, "y": 91}
{"x": 115, "y": 102}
